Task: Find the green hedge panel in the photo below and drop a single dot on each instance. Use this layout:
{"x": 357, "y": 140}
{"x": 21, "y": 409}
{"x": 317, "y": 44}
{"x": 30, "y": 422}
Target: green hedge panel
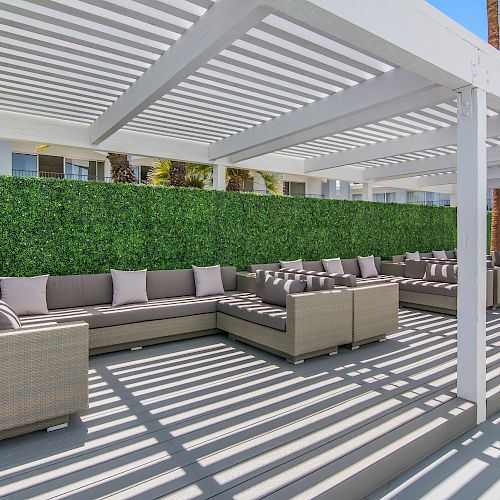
{"x": 71, "y": 227}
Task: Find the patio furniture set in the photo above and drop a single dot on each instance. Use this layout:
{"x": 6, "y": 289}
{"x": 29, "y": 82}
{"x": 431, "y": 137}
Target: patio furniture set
{"x": 296, "y": 310}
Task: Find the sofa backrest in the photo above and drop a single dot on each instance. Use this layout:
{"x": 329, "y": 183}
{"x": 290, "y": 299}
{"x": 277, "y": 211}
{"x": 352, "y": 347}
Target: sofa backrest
{"x": 313, "y": 265}
{"x": 351, "y": 266}
{"x": 398, "y": 258}
{"x": 415, "y": 269}
{"x": 426, "y": 255}
{"x": 94, "y": 289}
{"x": 253, "y": 268}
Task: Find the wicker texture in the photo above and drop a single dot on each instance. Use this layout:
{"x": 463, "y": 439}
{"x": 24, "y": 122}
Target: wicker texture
{"x": 316, "y": 322}
{"x": 245, "y": 282}
{"x": 43, "y": 375}
{"x": 375, "y": 312}
{"x": 393, "y": 268}
{"x": 137, "y": 332}
{"x": 496, "y": 287}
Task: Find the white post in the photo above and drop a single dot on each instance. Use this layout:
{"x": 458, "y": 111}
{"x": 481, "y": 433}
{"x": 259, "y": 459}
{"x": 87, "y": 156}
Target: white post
{"x": 5, "y": 158}
{"x": 219, "y": 177}
{"x": 107, "y": 170}
{"x": 453, "y": 199}
{"x": 400, "y": 195}
{"x": 368, "y": 191}
{"x": 471, "y": 193}
{"x": 345, "y": 190}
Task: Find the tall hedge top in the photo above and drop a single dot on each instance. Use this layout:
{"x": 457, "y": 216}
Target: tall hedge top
{"x": 75, "y": 227}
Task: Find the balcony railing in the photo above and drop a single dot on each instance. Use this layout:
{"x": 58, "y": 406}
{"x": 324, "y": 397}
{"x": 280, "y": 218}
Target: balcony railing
{"x": 432, "y": 203}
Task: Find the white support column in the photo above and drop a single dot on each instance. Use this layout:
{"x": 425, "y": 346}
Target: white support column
{"x": 107, "y": 170}
{"x": 368, "y": 191}
{"x": 400, "y": 195}
{"x": 345, "y": 190}
{"x": 471, "y": 193}
{"x": 5, "y": 158}
{"x": 453, "y": 199}
{"x": 219, "y": 177}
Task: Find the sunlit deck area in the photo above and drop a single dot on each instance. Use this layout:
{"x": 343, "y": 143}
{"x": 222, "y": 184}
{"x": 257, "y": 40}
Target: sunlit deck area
{"x": 209, "y": 417}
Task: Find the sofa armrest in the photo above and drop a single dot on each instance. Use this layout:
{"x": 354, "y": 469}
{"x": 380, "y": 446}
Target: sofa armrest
{"x": 245, "y": 282}
{"x": 43, "y": 373}
{"x": 393, "y": 268}
{"x": 319, "y": 320}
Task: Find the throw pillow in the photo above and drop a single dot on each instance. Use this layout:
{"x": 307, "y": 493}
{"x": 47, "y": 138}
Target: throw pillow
{"x": 333, "y": 266}
{"x": 129, "y": 287}
{"x": 292, "y": 264}
{"x": 8, "y": 318}
{"x": 439, "y": 254}
{"x": 367, "y": 267}
{"x": 26, "y": 296}
{"x": 275, "y": 290}
{"x": 413, "y": 256}
{"x": 208, "y": 281}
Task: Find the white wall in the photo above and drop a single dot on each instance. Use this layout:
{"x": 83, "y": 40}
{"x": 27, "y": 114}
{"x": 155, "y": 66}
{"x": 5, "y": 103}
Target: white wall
{"x": 5, "y": 158}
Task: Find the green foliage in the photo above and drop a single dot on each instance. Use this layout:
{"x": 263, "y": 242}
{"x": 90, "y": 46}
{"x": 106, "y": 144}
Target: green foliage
{"x": 75, "y": 227}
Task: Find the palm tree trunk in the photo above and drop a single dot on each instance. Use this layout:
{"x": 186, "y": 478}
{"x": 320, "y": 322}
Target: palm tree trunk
{"x": 178, "y": 173}
{"x": 121, "y": 171}
{"x": 234, "y": 183}
{"x": 493, "y": 39}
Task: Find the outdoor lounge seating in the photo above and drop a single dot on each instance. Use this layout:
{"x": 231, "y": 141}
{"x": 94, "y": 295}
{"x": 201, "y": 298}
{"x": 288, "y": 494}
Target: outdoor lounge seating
{"x": 43, "y": 377}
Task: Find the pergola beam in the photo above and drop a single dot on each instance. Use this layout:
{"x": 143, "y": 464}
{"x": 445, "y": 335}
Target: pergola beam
{"x": 392, "y": 93}
{"x": 441, "y": 137}
{"x": 425, "y": 166}
{"x": 223, "y": 23}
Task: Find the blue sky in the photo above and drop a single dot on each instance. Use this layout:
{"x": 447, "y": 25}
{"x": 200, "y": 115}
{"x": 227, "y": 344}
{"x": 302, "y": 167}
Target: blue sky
{"x": 469, "y": 13}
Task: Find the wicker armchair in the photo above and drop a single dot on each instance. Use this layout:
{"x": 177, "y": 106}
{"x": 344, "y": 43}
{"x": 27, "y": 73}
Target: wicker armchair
{"x": 43, "y": 377}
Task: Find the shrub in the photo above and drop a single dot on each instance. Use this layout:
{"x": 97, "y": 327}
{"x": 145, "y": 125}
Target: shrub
{"x": 75, "y": 227}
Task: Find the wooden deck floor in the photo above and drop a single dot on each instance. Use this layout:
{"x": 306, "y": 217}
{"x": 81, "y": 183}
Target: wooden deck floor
{"x": 208, "y": 417}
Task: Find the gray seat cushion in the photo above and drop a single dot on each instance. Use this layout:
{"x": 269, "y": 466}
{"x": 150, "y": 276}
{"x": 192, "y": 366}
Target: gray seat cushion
{"x": 429, "y": 287}
{"x": 8, "y": 318}
{"x": 315, "y": 283}
{"x": 274, "y": 290}
{"x": 249, "y": 307}
{"x": 380, "y": 279}
{"x": 443, "y": 273}
{"x": 101, "y": 316}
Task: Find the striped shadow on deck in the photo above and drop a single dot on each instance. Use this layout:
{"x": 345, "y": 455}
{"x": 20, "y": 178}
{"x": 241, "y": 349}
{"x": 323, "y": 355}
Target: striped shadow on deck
{"x": 208, "y": 417}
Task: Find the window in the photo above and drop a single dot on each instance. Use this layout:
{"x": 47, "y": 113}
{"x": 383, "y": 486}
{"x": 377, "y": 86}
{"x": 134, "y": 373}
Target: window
{"x": 24, "y": 165}
{"x": 51, "y": 166}
{"x": 141, "y": 173}
{"x": 86, "y": 170}
{"x": 294, "y": 188}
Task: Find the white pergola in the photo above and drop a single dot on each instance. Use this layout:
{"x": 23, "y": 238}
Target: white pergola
{"x": 390, "y": 92}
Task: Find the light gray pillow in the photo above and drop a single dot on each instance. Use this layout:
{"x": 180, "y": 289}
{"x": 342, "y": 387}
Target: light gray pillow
{"x": 292, "y": 264}
{"x": 439, "y": 254}
{"x": 367, "y": 267}
{"x": 333, "y": 266}
{"x": 413, "y": 256}
{"x": 8, "y": 318}
{"x": 26, "y": 296}
{"x": 208, "y": 281}
{"x": 129, "y": 287}
{"x": 275, "y": 290}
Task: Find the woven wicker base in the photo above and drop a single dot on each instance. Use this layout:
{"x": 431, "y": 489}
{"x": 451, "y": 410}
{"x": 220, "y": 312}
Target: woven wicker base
{"x": 25, "y": 429}
{"x": 143, "y": 343}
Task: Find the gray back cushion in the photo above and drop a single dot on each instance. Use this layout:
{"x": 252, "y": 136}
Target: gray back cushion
{"x": 313, "y": 265}
{"x": 274, "y": 290}
{"x": 426, "y": 255}
{"x": 351, "y": 266}
{"x": 253, "y": 268}
{"x": 415, "y": 269}
{"x": 8, "y": 318}
{"x": 442, "y": 273}
{"x": 450, "y": 254}
{"x": 78, "y": 291}
{"x": 398, "y": 258}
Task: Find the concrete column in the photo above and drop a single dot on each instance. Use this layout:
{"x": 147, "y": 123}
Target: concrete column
{"x": 107, "y": 170}
{"x": 219, "y": 177}
{"x": 453, "y": 199}
{"x": 329, "y": 189}
{"x": 5, "y": 158}
{"x": 400, "y": 195}
{"x": 345, "y": 190}
{"x": 368, "y": 191}
{"x": 471, "y": 193}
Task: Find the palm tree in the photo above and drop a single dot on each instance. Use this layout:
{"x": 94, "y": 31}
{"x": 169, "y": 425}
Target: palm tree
{"x": 237, "y": 176}
{"x": 121, "y": 170}
{"x": 196, "y": 175}
{"x": 177, "y": 173}
{"x": 493, "y": 39}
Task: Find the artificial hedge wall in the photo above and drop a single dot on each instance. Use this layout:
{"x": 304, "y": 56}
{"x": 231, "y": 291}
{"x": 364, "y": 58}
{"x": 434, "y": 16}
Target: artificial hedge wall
{"x": 75, "y": 227}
